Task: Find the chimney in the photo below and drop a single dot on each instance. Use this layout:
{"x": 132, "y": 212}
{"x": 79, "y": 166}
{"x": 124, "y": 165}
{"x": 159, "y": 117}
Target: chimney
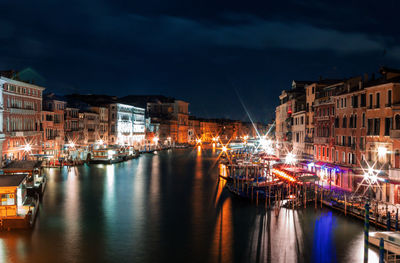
{"x": 365, "y": 77}
{"x": 373, "y": 76}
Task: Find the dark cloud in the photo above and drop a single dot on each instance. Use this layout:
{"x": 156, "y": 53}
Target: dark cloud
{"x": 197, "y": 50}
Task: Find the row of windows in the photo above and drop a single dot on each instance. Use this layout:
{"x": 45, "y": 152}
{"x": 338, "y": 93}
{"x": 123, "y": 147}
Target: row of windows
{"x": 350, "y": 123}
{"x": 374, "y": 126}
{"x": 350, "y": 141}
{"x": 22, "y": 90}
{"x": 13, "y": 102}
{"x": 324, "y": 153}
{"x": 378, "y": 100}
{"x": 325, "y": 112}
{"x": 20, "y": 124}
{"x": 299, "y": 120}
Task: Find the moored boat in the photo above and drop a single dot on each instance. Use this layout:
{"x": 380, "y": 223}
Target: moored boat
{"x": 106, "y": 156}
{"x": 112, "y": 154}
{"x": 36, "y": 180}
{"x": 17, "y": 208}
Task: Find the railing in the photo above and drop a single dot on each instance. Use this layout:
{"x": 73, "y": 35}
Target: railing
{"x": 309, "y": 139}
{"x": 321, "y": 139}
{"x": 24, "y": 133}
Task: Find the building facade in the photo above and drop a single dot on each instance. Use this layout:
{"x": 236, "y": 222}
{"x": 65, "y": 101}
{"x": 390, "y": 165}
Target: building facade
{"x": 22, "y": 106}
{"x": 126, "y": 125}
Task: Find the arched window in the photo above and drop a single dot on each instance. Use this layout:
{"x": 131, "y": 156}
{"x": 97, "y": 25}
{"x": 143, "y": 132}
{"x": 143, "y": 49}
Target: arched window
{"x": 344, "y": 122}
{"x": 397, "y": 159}
{"x": 397, "y": 121}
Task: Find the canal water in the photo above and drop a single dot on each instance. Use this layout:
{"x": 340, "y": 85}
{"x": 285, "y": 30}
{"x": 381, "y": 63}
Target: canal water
{"x": 169, "y": 207}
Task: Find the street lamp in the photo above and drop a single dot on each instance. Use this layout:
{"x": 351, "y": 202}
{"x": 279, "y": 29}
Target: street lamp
{"x": 290, "y": 158}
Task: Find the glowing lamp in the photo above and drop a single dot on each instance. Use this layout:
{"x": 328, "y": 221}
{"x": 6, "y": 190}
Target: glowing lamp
{"x": 290, "y": 158}
{"x": 370, "y": 170}
{"x": 72, "y": 145}
{"x": 100, "y": 142}
{"x": 27, "y": 147}
{"x": 198, "y": 141}
{"x": 382, "y": 151}
{"x": 155, "y": 140}
{"x": 224, "y": 149}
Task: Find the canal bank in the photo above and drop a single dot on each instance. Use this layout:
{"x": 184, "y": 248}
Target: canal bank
{"x": 170, "y": 207}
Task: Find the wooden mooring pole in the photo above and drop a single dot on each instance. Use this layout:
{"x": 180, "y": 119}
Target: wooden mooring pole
{"x": 321, "y": 196}
{"x": 315, "y": 195}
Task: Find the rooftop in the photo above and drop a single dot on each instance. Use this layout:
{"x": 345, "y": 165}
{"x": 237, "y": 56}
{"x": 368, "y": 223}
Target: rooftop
{"x": 26, "y": 165}
{"x": 11, "y": 180}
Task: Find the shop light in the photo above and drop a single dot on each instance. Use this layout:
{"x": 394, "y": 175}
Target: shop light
{"x": 382, "y": 151}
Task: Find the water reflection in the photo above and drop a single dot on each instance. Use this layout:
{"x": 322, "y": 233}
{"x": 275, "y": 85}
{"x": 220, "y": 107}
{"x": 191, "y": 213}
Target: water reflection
{"x": 109, "y": 196}
{"x": 71, "y": 213}
{"x": 222, "y": 247}
{"x": 323, "y": 246}
{"x": 171, "y": 207}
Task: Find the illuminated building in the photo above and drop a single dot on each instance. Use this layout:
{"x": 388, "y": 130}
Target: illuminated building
{"x": 168, "y": 111}
{"x": 208, "y": 129}
{"x": 52, "y": 125}
{"x": 383, "y": 130}
{"x": 102, "y": 131}
{"x": 126, "y": 124}
{"x": 291, "y": 101}
{"x": 194, "y": 130}
{"x": 20, "y": 120}
{"x": 71, "y": 125}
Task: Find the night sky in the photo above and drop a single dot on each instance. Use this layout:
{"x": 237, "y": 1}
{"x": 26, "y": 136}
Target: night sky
{"x": 205, "y": 52}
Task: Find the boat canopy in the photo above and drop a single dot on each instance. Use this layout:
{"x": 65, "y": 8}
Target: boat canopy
{"x": 294, "y": 174}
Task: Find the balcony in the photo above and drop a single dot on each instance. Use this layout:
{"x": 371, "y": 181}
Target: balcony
{"x": 23, "y": 133}
{"x": 395, "y": 134}
{"x": 321, "y": 140}
{"x": 309, "y": 139}
{"x": 22, "y": 111}
{"x": 322, "y": 118}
